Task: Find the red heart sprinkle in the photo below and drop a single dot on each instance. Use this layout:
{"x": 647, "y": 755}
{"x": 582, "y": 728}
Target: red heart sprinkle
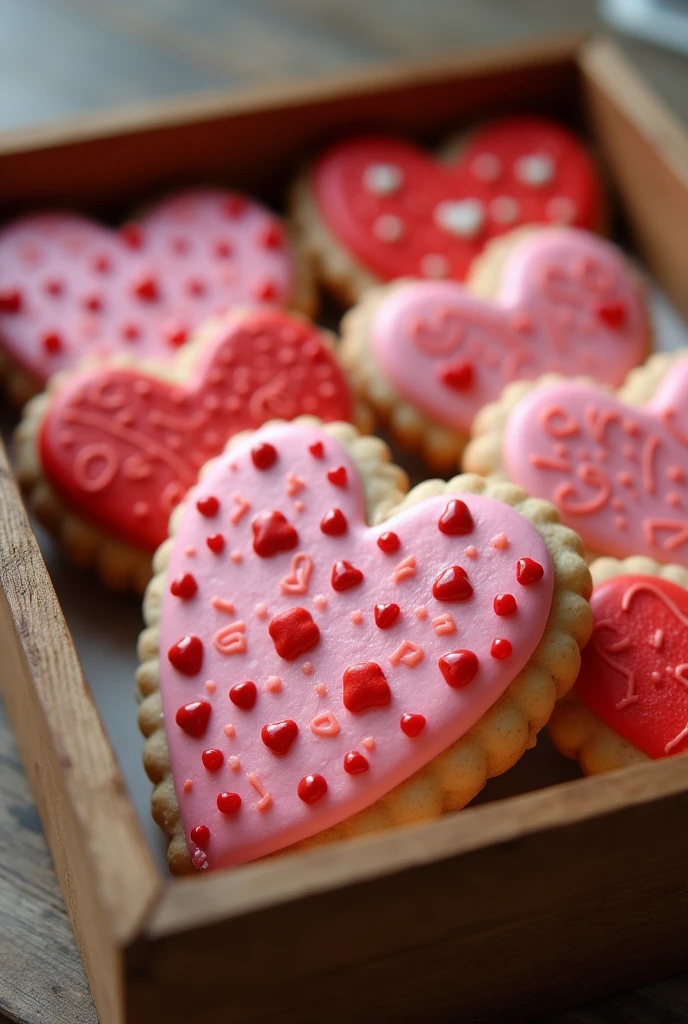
{"x": 334, "y": 523}
{"x": 212, "y": 759}
{"x": 273, "y": 534}
{"x": 457, "y": 376}
{"x": 412, "y": 725}
{"x": 388, "y": 542}
{"x": 311, "y": 788}
{"x": 365, "y": 686}
{"x": 293, "y": 633}
{"x": 452, "y": 585}
{"x": 215, "y": 542}
{"x": 345, "y": 576}
{"x": 10, "y": 300}
{"x": 228, "y": 803}
{"x": 317, "y": 449}
{"x": 52, "y": 342}
{"x": 265, "y": 291}
{"x": 337, "y": 476}
{"x": 458, "y": 668}
{"x": 263, "y": 456}
{"x": 244, "y": 695}
{"x": 504, "y": 604}
{"x": 279, "y": 736}
{"x": 146, "y": 288}
{"x": 272, "y": 236}
{"x": 187, "y": 655}
{"x": 184, "y": 586}
{"x": 528, "y": 571}
{"x": 175, "y": 333}
{"x": 386, "y": 615}
{"x": 52, "y": 287}
{"x": 355, "y": 763}
{"x": 613, "y": 314}
{"x": 193, "y": 718}
{"x": 208, "y": 506}
{"x": 93, "y": 303}
{"x": 456, "y": 520}
{"x": 501, "y": 649}
{"x": 200, "y": 836}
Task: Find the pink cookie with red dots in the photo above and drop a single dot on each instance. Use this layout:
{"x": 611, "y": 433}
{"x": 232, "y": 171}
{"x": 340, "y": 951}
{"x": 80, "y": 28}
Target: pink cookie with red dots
{"x": 108, "y": 451}
{"x": 374, "y": 208}
{"x": 615, "y": 465}
{"x": 72, "y": 288}
{"x": 426, "y": 356}
{"x": 384, "y": 713}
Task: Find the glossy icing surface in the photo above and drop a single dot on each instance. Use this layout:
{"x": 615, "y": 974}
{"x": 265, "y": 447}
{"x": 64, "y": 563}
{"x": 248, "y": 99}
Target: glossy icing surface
{"x": 402, "y": 213}
{"x": 71, "y": 288}
{"x": 372, "y": 695}
{"x": 617, "y": 473}
{"x": 121, "y": 447}
{"x": 567, "y": 303}
{"x": 634, "y": 673}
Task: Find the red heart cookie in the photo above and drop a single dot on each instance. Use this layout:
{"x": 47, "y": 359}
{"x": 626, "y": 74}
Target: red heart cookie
{"x": 70, "y": 287}
{"x": 121, "y": 446}
{"x": 634, "y": 672}
{"x": 400, "y": 212}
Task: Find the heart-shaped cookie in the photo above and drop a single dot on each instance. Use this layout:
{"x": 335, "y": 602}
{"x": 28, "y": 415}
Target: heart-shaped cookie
{"x": 70, "y": 287}
{"x": 634, "y": 672}
{"x": 323, "y": 662}
{"x": 120, "y": 445}
{"x": 392, "y": 210}
{"x": 432, "y": 352}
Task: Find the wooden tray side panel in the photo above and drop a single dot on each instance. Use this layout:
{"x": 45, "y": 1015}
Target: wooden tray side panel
{"x": 105, "y": 869}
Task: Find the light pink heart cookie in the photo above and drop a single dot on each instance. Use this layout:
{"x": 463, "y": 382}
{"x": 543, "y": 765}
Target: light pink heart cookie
{"x": 70, "y": 287}
{"x": 314, "y": 663}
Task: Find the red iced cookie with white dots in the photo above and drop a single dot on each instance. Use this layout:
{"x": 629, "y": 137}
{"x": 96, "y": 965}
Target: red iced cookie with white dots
{"x": 374, "y": 208}
{"x": 319, "y": 676}
{"x": 71, "y": 288}
{"x": 109, "y": 450}
{"x": 630, "y": 702}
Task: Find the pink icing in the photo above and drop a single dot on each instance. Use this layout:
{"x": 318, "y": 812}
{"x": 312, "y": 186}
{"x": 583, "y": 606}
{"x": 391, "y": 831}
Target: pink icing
{"x": 197, "y": 254}
{"x": 615, "y": 476}
{"x": 449, "y": 353}
{"x": 418, "y": 688}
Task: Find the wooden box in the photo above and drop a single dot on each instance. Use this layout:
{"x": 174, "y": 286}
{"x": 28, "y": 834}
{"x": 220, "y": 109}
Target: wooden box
{"x": 501, "y": 912}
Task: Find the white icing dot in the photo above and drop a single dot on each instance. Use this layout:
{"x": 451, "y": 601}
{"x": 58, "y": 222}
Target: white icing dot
{"x": 486, "y": 167}
{"x": 462, "y": 217}
{"x": 382, "y": 179}
{"x": 561, "y": 210}
{"x": 388, "y": 228}
{"x": 536, "y": 169}
{"x": 504, "y": 210}
{"x": 434, "y": 264}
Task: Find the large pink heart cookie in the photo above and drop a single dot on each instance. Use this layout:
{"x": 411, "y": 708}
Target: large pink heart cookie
{"x": 617, "y": 473}
{"x": 313, "y": 663}
{"x": 70, "y": 287}
{"x": 567, "y": 302}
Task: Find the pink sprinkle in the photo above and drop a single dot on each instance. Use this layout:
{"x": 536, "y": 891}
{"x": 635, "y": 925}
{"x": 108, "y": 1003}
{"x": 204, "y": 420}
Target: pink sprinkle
{"x": 211, "y": 686}
{"x": 368, "y": 743}
{"x": 620, "y": 522}
{"x": 199, "y": 859}
{"x": 625, "y": 478}
{"x": 188, "y": 786}
{"x": 222, "y": 604}
{"x": 444, "y": 624}
{"x": 242, "y": 507}
{"x": 471, "y": 552}
{"x": 404, "y": 570}
{"x": 261, "y": 610}
{"x": 320, "y": 602}
{"x": 295, "y": 484}
{"x": 673, "y": 499}
{"x": 229, "y": 731}
{"x": 500, "y": 542}
{"x": 236, "y": 556}
{"x": 233, "y": 467}
{"x": 234, "y": 763}
{"x": 325, "y": 724}
{"x": 273, "y": 684}
{"x": 299, "y": 506}
{"x": 421, "y": 612}
{"x": 356, "y": 617}
{"x": 265, "y": 798}
{"x": 307, "y": 668}
{"x": 676, "y": 474}
{"x": 320, "y": 689}
{"x": 190, "y": 551}
{"x": 658, "y": 638}
{"x": 407, "y": 653}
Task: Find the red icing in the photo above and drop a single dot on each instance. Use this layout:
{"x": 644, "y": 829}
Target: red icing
{"x": 213, "y": 759}
{"x": 244, "y": 695}
{"x": 146, "y": 288}
{"x": 634, "y": 671}
{"x": 613, "y": 314}
{"x": 456, "y": 520}
{"x": 312, "y": 788}
{"x": 337, "y": 476}
{"x": 52, "y": 342}
{"x": 193, "y": 718}
{"x": 334, "y": 523}
{"x": 501, "y": 649}
{"x": 264, "y": 456}
{"x": 140, "y": 441}
{"x": 208, "y": 506}
{"x": 317, "y": 449}
{"x": 355, "y": 213}
{"x": 215, "y": 542}
{"x": 452, "y": 585}
{"x": 200, "y": 835}
{"x": 186, "y": 655}
{"x": 412, "y": 725}
{"x": 528, "y": 571}
{"x": 388, "y": 542}
{"x": 293, "y": 633}
{"x": 184, "y": 586}
{"x": 505, "y": 604}
{"x": 458, "y": 667}
{"x": 365, "y": 687}
{"x": 279, "y": 736}
{"x": 272, "y": 533}
{"x": 386, "y": 615}
{"x": 458, "y": 376}
{"x": 355, "y": 763}
{"x": 345, "y": 576}
{"x": 228, "y": 803}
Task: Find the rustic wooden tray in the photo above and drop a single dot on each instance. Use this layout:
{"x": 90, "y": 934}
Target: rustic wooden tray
{"x": 500, "y": 912}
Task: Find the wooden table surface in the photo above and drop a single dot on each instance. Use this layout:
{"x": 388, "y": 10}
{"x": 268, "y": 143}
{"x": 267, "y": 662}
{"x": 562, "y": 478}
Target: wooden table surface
{"x": 62, "y": 57}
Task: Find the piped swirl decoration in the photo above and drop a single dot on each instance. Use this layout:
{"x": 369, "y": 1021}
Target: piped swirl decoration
{"x": 337, "y": 663}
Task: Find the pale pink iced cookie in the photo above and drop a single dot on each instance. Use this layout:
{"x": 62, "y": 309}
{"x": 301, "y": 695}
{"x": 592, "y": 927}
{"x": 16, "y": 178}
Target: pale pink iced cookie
{"x": 615, "y": 465}
{"x": 340, "y": 677}
{"x": 426, "y": 356}
{"x": 374, "y": 208}
{"x": 630, "y": 702}
{"x": 109, "y": 450}
{"x": 71, "y": 288}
